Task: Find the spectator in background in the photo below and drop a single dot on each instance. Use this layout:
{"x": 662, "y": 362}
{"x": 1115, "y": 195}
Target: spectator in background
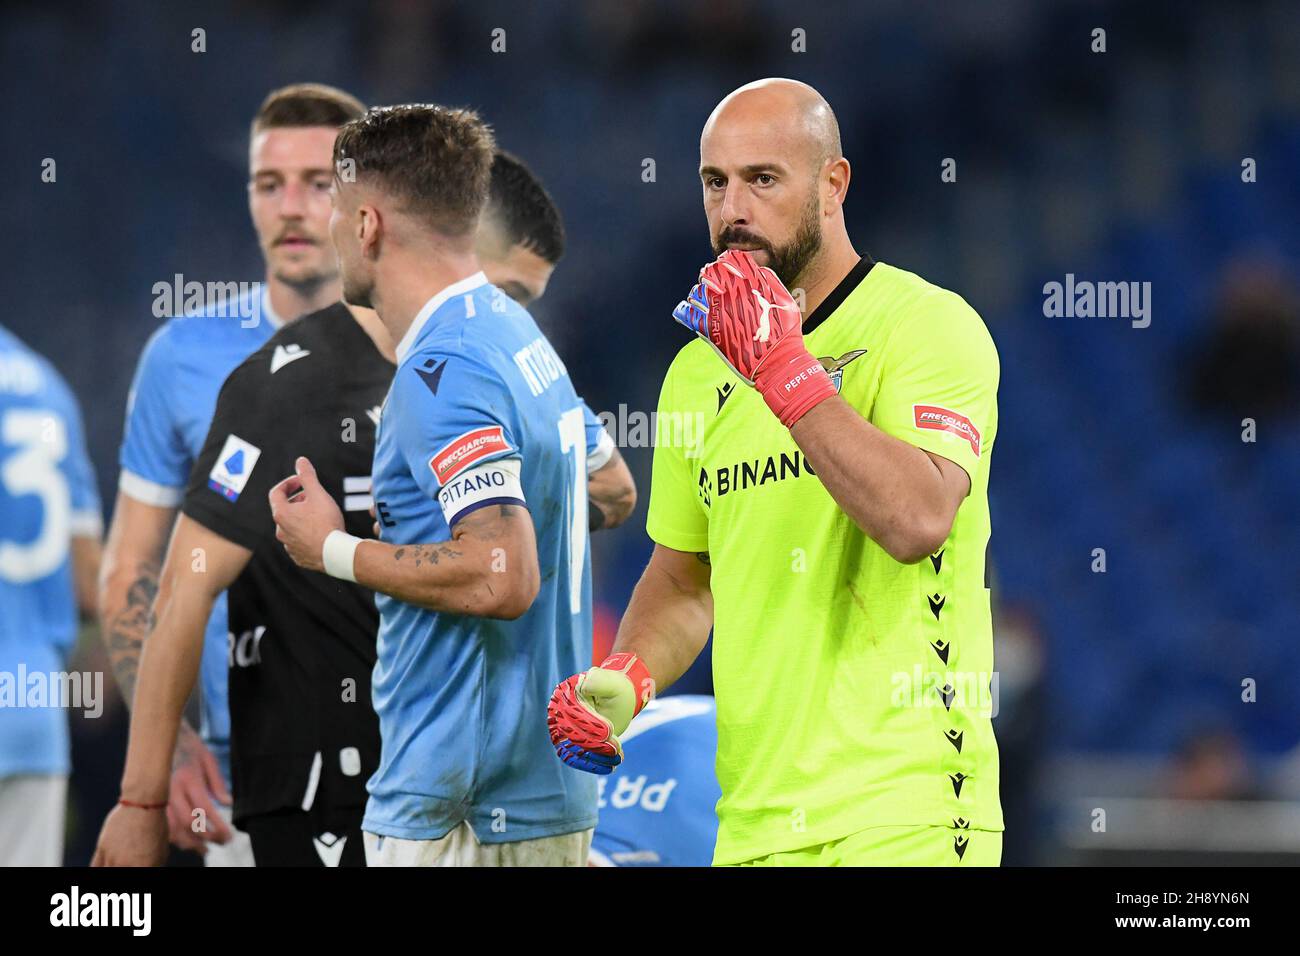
{"x": 1250, "y": 364}
{"x": 636, "y": 38}
{"x": 1212, "y": 765}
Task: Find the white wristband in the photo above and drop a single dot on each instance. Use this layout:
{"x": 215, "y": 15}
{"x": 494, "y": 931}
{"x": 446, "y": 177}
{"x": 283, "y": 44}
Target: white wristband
{"x": 338, "y": 553}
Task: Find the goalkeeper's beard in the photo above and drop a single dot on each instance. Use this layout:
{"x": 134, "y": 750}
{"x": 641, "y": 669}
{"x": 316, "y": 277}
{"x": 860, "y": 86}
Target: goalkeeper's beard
{"x": 788, "y": 261}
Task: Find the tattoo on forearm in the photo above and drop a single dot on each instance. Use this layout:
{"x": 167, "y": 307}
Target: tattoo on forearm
{"x": 425, "y": 553}
{"x": 485, "y": 528}
{"x": 703, "y": 557}
{"x": 128, "y": 629}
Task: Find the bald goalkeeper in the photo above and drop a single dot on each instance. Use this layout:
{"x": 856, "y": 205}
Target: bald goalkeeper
{"x": 830, "y": 526}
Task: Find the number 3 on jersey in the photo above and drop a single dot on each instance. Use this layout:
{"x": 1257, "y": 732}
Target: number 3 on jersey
{"x": 42, "y": 442}
{"x": 573, "y": 440}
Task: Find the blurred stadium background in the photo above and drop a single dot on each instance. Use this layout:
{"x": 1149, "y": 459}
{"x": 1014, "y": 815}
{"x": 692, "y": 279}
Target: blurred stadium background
{"x": 1120, "y": 691}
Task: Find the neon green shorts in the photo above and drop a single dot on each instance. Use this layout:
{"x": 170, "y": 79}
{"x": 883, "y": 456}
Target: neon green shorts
{"x": 897, "y": 846}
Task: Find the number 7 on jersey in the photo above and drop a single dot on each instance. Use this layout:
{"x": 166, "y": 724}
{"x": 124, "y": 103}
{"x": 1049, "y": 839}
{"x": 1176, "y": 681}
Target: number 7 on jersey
{"x": 573, "y": 440}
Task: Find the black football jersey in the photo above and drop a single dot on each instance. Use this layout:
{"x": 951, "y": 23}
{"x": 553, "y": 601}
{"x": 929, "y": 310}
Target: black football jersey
{"x": 301, "y": 644}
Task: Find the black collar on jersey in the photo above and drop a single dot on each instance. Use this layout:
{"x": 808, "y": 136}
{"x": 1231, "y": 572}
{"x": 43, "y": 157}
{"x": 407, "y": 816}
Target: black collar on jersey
{"x": 839, "y": 294}
{"x": 347, "y": 327}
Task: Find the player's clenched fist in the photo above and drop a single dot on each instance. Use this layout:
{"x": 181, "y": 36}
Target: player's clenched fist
{"x": 304, "y": 515}
{"x": 746, "y": 314}
{"x": 590, "y": 710}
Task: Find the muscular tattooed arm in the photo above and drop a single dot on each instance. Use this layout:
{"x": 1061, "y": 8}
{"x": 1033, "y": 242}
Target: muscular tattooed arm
{"x": 128, "y": 584}
{"x": 488, "y": 568}
{"x": 128, "y": 588}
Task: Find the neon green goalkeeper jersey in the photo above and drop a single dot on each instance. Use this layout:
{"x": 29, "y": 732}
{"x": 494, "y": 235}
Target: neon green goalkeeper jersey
{"x": 852, "y": 691}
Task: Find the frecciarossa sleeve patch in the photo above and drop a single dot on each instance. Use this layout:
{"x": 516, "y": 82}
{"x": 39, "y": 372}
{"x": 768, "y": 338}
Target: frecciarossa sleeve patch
{"x": 489, "y": 483}
{"x": 462, "y": 452}
{"x": 945, "y": 420}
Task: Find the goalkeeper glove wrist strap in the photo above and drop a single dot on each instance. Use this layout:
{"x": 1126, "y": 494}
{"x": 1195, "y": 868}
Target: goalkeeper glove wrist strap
{"x": 791, "y": 381}
{"x": 634, "y": 669}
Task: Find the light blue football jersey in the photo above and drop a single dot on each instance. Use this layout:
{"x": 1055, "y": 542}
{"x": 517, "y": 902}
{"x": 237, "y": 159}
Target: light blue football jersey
{"x": 481, "y": 413}
{"x": 658, "y": 807}
{"x": 172, "y": 400}
{"x": 47, "y": 496}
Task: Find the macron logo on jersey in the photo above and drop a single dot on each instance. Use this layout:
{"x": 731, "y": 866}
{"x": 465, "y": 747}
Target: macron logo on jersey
{"x": 459, "y": 453}
{"x": 235, "y": 463}
{"x": 330, "y": 848}
{"x": 943, "y": 420}
{"x": 284, "y": 354}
